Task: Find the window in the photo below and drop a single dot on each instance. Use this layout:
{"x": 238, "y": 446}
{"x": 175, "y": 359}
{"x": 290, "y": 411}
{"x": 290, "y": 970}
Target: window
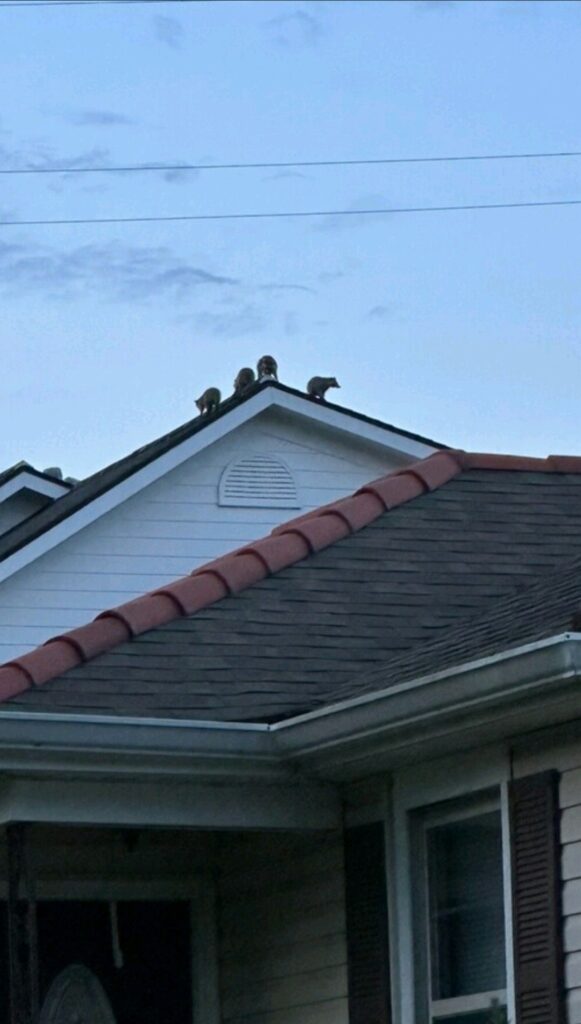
{"x": 463, "y": 916}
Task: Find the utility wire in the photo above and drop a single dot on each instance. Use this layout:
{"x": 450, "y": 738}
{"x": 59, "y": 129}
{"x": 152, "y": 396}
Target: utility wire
{"x": 89, "y": 3}
{"x": 288, "y": 214}
{"x": 278, "y": 164}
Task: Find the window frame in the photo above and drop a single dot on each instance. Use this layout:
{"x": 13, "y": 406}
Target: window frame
{"x": 423, "y": 788}
{"x": 449, "y": 813}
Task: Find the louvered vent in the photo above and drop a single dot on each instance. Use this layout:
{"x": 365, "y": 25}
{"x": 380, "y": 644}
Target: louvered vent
{"x": 258, "y": 481}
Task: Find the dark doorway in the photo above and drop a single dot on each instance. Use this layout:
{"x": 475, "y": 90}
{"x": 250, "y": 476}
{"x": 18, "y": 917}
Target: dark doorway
{"x": 154, "y": 983}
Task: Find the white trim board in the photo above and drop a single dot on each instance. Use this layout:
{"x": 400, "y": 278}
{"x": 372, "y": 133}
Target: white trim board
{"x": 270, "y": 398}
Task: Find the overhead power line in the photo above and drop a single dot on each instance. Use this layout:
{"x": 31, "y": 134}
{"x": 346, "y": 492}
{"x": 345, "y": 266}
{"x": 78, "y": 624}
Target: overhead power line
{"x": 279, "y": 164}
{"x": 290, "y": 214}
{"x": 90, "y": 3}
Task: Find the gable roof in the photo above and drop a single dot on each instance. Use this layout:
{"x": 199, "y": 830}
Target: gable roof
{"x": 288, "y": 623}
{"x": 106, "y": 480}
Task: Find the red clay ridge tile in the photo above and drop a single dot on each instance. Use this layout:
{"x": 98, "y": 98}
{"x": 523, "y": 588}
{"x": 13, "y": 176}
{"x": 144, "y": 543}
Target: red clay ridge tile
{"x": 437, "y": 469}
{"x": 195, "y": 592}
{"x": 360, "y": 510}
{"x": 279, "y": 551}
{"x": 515, "y": 463}
{"x": 320, "y": 531}
{"x": 143, "y": 613}
{"x": 565, "y": 463}
{"x": 96, "y": 637}
{"x": 13, "y": 681}
{"x": 49, "y": 661}
{"x": 237, "y": 571}
{"x": 395, "y": 490}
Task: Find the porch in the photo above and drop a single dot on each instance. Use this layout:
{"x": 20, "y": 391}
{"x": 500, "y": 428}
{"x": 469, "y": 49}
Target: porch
{"x": 178, "y": 925}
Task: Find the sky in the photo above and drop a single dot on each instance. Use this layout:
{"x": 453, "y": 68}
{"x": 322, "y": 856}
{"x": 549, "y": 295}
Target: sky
{"x": 463, "y": 326}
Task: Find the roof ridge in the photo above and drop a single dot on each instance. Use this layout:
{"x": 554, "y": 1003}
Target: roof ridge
{"x": 236, "y": 571}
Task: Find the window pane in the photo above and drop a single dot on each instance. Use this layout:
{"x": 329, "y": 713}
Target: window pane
{"x": 466, "y": 907}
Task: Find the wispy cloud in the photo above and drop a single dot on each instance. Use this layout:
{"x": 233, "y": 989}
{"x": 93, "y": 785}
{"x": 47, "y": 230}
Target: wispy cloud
{"x": 295, "y": 29}
{"x": 117, "y": 271}
{"x": 97, "y": 118}
{"x": 345, "y": 223}
{"x": 169, "y": 31}
{"x": 378, "y": 313}
{"x": 39, "y": 155}
{"x": 331, "y": 275}
{"x": 286, "y": 288}
{"x": 283, "y": 175}
{"x": 237, "y": 321}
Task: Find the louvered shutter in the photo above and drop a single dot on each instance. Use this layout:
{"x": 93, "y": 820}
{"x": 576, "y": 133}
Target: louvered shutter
{"x": 537, "y": 924}
{"x": 367, "y": 925}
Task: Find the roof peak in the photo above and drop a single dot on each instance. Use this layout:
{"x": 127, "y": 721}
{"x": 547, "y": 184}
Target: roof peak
{"x": 287, "y": 545}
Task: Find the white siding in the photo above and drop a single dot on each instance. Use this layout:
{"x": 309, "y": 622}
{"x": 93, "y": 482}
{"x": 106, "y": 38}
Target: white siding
{"x": 174, "y": 526}
{"x": 282, "y": 931}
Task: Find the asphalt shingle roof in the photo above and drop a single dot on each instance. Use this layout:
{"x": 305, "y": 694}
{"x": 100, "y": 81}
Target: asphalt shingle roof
{"x": 445, "y": 576}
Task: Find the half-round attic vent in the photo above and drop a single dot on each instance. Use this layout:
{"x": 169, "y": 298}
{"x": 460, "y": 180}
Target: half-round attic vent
{"x": 258, "y": 481}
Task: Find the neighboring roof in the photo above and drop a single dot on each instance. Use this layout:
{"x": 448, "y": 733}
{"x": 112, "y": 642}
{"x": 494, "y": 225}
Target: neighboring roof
{"x": 291, "y": 622}
{"x": 104, "y": 480}
{"x": 20, "y": 468}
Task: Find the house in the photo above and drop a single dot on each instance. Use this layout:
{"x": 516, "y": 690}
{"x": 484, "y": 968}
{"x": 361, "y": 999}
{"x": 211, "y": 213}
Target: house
{"x": 69, "y": 550}
{"x": 331, "y": 777}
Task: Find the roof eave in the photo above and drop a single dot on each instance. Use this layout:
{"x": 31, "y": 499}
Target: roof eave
{"x": 484, "y": 701}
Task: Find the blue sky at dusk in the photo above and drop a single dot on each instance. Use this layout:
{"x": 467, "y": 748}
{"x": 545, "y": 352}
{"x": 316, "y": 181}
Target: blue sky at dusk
{"x": 463, "y": 326}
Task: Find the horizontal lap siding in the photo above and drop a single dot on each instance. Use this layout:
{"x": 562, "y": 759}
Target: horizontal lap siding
{"x": 169, "y": 529}
{"x": 283, "y": 957}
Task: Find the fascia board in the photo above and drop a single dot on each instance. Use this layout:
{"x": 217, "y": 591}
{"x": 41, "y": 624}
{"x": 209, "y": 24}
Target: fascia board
{"x": 188, "y": 804}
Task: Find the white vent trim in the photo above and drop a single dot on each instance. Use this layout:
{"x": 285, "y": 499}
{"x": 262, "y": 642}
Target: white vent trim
{"x": 258, "y": 481}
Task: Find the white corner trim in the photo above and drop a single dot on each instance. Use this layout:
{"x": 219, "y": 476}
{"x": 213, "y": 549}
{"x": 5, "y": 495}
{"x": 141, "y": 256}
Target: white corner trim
{"x": 180, "y": 453}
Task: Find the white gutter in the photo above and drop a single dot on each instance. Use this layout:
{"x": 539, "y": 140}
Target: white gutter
{"x": 502, "y": 694}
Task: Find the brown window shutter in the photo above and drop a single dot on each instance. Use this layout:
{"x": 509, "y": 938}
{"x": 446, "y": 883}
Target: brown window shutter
{"x": 367, "y": 925}
{"x": 536, "y": 899}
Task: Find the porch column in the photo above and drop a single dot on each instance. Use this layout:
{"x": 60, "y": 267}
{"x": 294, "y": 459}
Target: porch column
{"x": 22, "y": 936}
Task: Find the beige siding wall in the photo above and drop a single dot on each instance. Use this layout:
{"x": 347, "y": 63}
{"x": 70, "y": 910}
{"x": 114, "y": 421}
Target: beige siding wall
{"x": 282, "y": 931}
